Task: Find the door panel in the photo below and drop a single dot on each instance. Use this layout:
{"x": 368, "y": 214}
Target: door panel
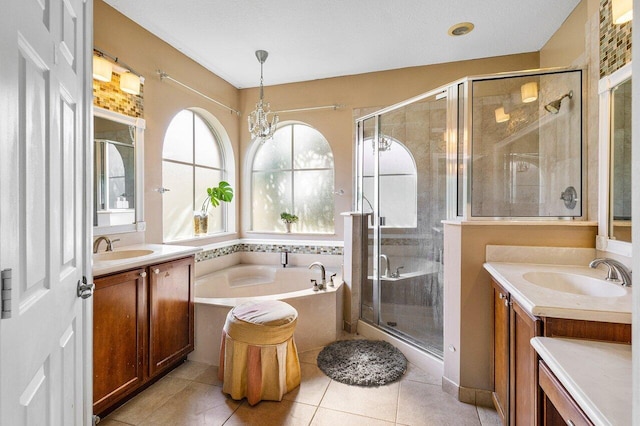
{"x": 42, "y": 234}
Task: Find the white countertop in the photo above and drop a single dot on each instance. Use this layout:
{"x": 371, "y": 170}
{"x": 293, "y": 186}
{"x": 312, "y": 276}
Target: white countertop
{"x": 598, "y": 376}
{"x": 161, "y": 253}
{"x": 545, "y": 302}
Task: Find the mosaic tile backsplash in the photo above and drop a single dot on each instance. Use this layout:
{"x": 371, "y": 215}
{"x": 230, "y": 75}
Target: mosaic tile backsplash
{"x": 268, "y": 248}
{"x": 109, "y": 96}
{"x": 615, "y": 41}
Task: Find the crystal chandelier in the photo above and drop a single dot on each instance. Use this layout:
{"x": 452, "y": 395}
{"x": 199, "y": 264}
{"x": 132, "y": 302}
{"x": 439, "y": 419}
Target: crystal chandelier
{"x": 262, "y": 122}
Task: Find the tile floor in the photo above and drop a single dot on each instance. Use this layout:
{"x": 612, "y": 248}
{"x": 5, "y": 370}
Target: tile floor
{"x": 192, "y": 395}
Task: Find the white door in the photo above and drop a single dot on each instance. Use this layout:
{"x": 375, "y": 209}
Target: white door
{"x": 45, "y": 48}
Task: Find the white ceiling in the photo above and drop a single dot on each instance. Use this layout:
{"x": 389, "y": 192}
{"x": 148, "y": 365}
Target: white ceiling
{"x": 309, "y": 40}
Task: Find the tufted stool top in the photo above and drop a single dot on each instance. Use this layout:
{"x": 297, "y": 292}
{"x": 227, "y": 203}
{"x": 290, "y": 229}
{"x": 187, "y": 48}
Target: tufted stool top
{"x": 267, "y": 322}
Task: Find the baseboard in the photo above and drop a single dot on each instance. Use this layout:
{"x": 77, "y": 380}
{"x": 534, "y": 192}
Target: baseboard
{"x": 479, "y": 397}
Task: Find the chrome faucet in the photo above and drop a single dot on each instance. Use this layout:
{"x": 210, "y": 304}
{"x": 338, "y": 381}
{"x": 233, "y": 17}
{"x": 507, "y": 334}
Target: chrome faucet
{"x": 323, "y": 272}
{"x": 96, "y": 243}
{"x": 387, "y": 265}
{"x": 616, "y": 271}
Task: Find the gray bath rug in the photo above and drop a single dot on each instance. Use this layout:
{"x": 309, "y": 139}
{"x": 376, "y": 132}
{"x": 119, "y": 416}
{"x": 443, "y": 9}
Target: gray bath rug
{"x": 362, "y": 362}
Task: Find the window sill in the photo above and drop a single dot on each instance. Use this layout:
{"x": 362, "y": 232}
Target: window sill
{"x": 203, "y": 240}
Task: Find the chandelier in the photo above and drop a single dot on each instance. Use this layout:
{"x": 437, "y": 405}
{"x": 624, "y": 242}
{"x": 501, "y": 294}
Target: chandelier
{"x": 384, "y": 144}
{"x": 262, "y": 122}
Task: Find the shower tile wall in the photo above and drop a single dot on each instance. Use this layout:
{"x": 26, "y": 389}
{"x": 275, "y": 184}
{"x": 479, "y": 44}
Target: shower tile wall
{"x": 560, "y": 160}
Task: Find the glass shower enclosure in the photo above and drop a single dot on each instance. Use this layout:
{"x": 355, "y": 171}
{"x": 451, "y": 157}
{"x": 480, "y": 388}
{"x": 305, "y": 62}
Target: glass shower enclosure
{"x": 484, "y": 148}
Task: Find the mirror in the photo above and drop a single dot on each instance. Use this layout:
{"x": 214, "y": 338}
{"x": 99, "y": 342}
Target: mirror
{"x": 117, "y": 183}
{"x": 620, "y": 172}
{"x": 615, "y": 163}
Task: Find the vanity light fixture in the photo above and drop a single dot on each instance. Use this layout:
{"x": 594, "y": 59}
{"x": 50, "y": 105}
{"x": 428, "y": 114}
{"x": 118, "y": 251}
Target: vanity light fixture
{"x": 102, "y": 69}
{"x": 262, "y": 122}
{"x": 130, "y": 83}
{"x": 501, "y": 116}
{"x": 621, "y": 11}
{"x": 104, "y": 65}
{"x": 529, "y": 92}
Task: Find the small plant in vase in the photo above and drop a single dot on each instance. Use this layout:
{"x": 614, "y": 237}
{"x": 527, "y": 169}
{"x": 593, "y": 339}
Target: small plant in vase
{"x": 221, "y": 193}
{"x": 288, "y": 219}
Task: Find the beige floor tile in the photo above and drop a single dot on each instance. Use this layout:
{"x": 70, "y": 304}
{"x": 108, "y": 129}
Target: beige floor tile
{"x": 364, "y": 401}
{"x": 424, "y": 404}
{"x": 312, "y": 387}
{"x": 110, "y": 422}
{"x": 272, "y": 413}
{"x": 310, "y": 356}
{"x": 143, "y": 405}
{"x": 417, "y": 375}
{"x": 488, "y": 416}
{"x": 209, "y": 376}
{"x": 189, "y": 370}
{"x": 326, "y": 417}
{"x": 197, "y": 404}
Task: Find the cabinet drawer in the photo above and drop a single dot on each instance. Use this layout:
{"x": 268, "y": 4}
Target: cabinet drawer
{"x": 560, "y": 398}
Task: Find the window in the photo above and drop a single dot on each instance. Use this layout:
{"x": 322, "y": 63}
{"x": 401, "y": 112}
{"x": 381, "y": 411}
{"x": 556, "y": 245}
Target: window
{"x": 196, "y": 155}
{"x": 293, "y": 173}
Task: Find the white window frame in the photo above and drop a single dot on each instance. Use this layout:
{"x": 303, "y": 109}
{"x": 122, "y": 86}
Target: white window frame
{"x": 228, "y": 174}
{"x": 247, "y": 177}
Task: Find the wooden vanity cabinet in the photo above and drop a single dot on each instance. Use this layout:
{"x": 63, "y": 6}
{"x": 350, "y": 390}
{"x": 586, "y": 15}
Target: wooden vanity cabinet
{"x": 515, "y": 372}
{"x": 119, "y": 337}
{"x": 142, "y": 327}
{"x": 171, "y": 312}
{"x": 559, "y": 408}
{"x": 517, "y": 396}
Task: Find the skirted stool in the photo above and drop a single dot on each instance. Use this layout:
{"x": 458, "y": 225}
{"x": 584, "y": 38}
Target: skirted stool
{"x": 258, "y": 356}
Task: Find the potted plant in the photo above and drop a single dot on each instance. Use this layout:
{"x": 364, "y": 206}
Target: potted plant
{"x": 221, "y": 193}
{"x": 288, "y": 219}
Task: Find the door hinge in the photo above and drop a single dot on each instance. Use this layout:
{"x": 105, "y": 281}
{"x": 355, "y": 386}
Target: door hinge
{"x": 6, "y": 294}
{"x": 85, "y": 290}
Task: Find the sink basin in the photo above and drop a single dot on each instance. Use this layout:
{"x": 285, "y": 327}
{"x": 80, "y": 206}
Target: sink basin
{"x": 120, "y": 255}
{"x": 575, "y": 284}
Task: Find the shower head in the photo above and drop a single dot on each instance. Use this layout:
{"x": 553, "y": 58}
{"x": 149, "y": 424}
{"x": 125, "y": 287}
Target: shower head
{"x": 554, "y": 107}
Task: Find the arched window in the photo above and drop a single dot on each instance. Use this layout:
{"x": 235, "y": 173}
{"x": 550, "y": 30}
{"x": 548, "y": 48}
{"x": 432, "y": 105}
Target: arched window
{"x": 293, "y": 173}
{"x": 397, "y": 183}
{"x": 196, "y": 155}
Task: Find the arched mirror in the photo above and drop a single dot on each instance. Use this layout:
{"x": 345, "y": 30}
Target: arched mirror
{"x": 615, "y": 163}
{"x": 117, "y": 183}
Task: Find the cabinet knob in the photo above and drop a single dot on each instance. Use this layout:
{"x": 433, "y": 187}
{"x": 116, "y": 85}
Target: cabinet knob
{"x": 156, "y": 271}
{"x": 506, "y": 302}
{"x": 503, "y": 296}
{"x": 570, "y": 423}
{"x": 143, "y": 274}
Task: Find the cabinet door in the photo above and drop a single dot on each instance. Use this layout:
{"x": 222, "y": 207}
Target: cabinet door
{"x": 119, "y": 329}
{"x": 501, "y": 352}
{"x": 524, "y": 367}
{"x": 559, "y": 408}
{"x": 170, "y": 313}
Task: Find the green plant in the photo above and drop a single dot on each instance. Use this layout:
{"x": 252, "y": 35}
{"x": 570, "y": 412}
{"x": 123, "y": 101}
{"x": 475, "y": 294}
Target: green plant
{"x": 221, "y": 193}
{"x": 288, "y": 218}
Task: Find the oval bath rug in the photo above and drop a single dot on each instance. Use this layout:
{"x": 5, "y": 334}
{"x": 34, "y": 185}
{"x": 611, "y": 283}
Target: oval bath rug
{"x": 362, "y": 362}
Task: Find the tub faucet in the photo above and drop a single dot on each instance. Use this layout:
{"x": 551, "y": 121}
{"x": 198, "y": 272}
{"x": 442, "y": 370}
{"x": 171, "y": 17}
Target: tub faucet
{"x": 616, "y": 271}
{"x": 387, "y": 266}
{"x": 96, "y": 243}
{"x": 323, "y": 283}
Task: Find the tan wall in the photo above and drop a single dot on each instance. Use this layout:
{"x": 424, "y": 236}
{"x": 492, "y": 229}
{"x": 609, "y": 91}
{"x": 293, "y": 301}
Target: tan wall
{"x": 121, "y": 37}
{"x": 378, "y": 89}
{"x": 145, "y": 53}
{"x": 468, "y": 325}
{"x": 566, "y": 46}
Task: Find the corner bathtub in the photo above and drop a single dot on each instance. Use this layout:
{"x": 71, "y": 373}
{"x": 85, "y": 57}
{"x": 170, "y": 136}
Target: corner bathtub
{"x": 319, "y": 313}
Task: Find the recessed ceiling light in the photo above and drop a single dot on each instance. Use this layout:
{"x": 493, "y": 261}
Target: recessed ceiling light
{"x": 461, "y": 28}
